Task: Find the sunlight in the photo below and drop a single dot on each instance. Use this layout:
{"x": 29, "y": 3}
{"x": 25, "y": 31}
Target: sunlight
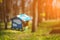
{"x": 19, "y": 2}
{"x": 1, "y": 1}
{"x": 56, "y": 3}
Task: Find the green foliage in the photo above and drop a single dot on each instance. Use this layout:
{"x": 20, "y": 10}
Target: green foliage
{"x": 17, "y": 35}
{"x": 41, "y": 34}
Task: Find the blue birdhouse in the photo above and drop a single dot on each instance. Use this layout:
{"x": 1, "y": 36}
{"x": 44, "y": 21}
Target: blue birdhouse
{"x": 20, "y": 21}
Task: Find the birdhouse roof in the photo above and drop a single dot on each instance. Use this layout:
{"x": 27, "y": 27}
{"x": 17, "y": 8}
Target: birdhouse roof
{"x": 24, "y": 17}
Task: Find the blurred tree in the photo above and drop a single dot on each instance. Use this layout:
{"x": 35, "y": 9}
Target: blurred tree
{"x": 23, "y": 5}
{"x": 34, "y": 21}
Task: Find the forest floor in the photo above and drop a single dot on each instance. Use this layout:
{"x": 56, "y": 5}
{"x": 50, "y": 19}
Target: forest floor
{"x": 42, "y": 33}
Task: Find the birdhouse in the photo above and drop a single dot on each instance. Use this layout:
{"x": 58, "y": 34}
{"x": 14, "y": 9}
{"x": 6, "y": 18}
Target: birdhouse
{"x": 20, "y": 21}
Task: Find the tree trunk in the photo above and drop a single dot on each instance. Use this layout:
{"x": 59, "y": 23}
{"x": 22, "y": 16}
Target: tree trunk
{"x": 6, "y": 23}
{"x": 4, "y": 10}
{"x": 39, "y": 11}
{"x": 34, "y": 21}
{"x": 23, "y": 6}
